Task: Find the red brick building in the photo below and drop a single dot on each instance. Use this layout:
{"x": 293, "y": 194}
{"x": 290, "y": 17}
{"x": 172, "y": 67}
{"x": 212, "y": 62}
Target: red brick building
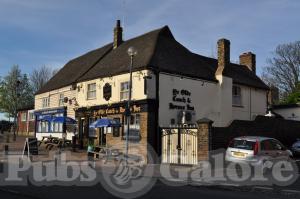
{"x": 26, "y": 120}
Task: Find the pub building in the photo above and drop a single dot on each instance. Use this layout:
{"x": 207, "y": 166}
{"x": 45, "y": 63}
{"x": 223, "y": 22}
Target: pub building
{"x": 170, "y": 86}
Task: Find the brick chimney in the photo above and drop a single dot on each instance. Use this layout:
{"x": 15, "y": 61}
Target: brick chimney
{"x": 248, "y": 59}
{"x": 223, "y": 55}
{"x": 118, "y": 30}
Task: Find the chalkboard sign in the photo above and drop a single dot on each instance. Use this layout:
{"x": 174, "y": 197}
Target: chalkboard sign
{"x": 31, "y": 147}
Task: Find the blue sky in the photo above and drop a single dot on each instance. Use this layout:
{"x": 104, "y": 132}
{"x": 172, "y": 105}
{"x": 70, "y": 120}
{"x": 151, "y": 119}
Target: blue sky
{"x": 51, "y": 32}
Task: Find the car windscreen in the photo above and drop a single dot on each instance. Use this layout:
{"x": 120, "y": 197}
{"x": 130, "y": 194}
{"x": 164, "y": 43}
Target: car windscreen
{"x": 242, "y": 144}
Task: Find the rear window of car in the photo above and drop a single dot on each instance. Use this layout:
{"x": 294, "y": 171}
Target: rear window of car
{"x": 242, "y": 144}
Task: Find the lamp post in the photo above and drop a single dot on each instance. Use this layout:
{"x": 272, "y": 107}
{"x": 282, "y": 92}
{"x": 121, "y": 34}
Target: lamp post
{"x": 131, "y": 52}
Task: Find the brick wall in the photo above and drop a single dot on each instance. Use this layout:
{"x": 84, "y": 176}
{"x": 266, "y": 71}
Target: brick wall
{"x": 22, "y": 125}
{"x": 138, "y": 148}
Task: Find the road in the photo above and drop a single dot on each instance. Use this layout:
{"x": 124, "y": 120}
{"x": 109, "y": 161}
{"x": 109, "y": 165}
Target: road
{"x": 160, "y": 190}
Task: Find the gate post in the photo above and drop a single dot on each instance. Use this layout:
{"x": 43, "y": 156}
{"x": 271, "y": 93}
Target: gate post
{"x": 204, "y": 138}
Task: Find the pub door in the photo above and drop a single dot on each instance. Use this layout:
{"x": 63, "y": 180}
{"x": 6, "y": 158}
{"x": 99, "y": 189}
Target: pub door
{"x": 102, "y": 137}
{"x": 81, "y": 132}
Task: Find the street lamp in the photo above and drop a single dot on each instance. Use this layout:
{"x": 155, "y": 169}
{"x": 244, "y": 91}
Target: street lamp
{"x": 131, "y": 52}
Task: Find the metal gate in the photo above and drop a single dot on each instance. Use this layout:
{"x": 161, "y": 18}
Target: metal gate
{"x": 179, "y": 146}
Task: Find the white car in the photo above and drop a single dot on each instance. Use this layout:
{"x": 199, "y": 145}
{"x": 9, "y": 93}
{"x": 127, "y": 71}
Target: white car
{"x": 255, "y": 150}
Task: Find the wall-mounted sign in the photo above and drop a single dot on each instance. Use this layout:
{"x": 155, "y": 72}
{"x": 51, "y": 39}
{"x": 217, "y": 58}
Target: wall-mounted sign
{"x": 117, "y": 110}
{"x": 107, "y": 91}
{"x": 181, "y": 96}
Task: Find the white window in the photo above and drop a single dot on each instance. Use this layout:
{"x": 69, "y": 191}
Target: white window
{"x": 61, "y": 99}
{"x": 91, "y": 91}
{"x": 43, "y": 127}
{"x": 124, "y": 91}
{"x": 31, "y": 116}
{"x": 57, "y": 127}
{"x": 24, "y": 117}
{"x": 236, "y": 96}
{"x": 46, "y": 102}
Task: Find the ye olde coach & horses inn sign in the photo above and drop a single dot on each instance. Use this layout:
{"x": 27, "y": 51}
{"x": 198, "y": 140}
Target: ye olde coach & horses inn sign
{"x": 183, "y": 97}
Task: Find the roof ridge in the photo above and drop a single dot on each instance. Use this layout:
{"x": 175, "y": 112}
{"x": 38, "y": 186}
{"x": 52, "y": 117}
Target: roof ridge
{"x": 97, "y": 61}
{"x": 164, "y": 28}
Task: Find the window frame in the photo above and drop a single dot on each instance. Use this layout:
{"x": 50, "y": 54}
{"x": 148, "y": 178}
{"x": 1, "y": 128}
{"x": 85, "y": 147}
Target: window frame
{"x": 135, "y": 126}
{"x": 31, "y": 114}
{"x": 24, "y": 119}
{"x": 45, "y": 102}
{"x": 61, "y": 99}
{"x": 237, "y": 97}
{"x": 122, "y": 92}
{"x": 91, "y": 91}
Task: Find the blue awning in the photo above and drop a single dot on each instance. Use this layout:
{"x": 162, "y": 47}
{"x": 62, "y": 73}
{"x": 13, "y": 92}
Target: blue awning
{"x": 61, "y": 119}
{"x": 46, "y": 118}
{"x": 105, "y": 122}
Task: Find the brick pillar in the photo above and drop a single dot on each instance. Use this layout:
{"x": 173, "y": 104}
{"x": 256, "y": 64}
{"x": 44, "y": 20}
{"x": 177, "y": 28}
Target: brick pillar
{"x": 204, "y": 138}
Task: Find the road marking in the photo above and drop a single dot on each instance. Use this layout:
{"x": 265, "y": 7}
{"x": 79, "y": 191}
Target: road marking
{"x": 9, "y": 191}
{"x": 228, "y": 184}
{"x": 263, "y": 188}
{"x": 290, "y": 191}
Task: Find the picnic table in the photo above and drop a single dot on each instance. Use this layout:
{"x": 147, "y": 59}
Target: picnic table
{"x": 111, "y": 153}
{"x": 47, "y": 139}
{"x": 52, "y": 142}
{"x": 104, "y": 152}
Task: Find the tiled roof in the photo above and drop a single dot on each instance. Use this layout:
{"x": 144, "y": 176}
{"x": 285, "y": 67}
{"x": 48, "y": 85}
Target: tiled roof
{"x": 157, "y": 50}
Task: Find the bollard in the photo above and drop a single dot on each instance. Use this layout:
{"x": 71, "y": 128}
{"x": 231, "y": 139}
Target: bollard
{"x": 74, "y": 143}
{"x": 7, "y": 138}
{"x": 6, "y": 149}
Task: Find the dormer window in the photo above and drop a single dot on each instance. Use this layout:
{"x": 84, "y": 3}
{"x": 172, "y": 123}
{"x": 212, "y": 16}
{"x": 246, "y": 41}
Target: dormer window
{"x": 236, "y": 96}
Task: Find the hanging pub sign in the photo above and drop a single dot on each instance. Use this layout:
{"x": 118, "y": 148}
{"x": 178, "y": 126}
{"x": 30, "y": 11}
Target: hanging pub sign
{"x": 107, "y": 91}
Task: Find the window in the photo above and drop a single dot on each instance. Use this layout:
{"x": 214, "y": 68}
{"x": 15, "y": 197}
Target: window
{"x": 266, "y": 145}
{"x": 46, "y": 102}
{"x": 31, "y": 116}
{"x": 242, "y": 144}
{"x": 61, "y": 99}
{"x": 236, "y": 96}
{"x": 277, "y": 145}
{"x": 24, "y": 117}
{"x": 134, "y": 128}
{"x": 116, "y": 130}
{"x": 92, "y": 131}
{"x": 57, "y": 127}
{"x": 91, "y": 91}
{"x": 124, "y": 91}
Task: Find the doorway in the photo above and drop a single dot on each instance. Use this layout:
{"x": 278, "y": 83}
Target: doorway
{"x": 102, "y": 136}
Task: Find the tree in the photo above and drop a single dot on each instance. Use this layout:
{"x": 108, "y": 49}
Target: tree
{"x": 15, "y": 92}
{"x": 40, "y": 76}
{"x": 283, "y": 70}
